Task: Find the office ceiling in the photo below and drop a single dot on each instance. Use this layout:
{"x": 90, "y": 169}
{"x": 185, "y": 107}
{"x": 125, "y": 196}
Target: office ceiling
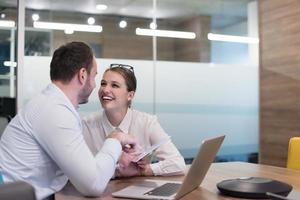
{"x": 232, "y": 9}
{"x": 142, "y": 8}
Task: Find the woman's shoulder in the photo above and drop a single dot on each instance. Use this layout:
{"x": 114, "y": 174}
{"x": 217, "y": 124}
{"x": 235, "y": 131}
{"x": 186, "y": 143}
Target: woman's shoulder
{"x": 92, "y": 117}
{"x": 139, "y": 115}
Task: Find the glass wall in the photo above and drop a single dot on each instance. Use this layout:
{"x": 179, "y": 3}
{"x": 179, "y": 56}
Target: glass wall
{"x": 213, "y": 89}
{"x": 198, "y": 86}
{"x": 8, "y": 17}
{"x": 8, "y": 22}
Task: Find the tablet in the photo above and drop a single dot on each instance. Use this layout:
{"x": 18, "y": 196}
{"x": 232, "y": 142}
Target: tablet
{"x": 150, "y": 149}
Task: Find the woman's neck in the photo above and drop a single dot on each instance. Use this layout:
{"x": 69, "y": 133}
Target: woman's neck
{"x": 116, "y": 117}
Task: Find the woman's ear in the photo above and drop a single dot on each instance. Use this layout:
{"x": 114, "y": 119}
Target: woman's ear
{"x": 131, "y": 95}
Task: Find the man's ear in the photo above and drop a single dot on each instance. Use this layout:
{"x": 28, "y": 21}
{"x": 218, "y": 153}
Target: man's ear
{"x": 82, "y": 75}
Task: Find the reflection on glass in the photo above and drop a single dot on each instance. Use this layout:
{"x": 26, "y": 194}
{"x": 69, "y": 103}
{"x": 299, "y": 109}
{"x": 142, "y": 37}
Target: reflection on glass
{"x": 5, "y": 51}
{"x": 120, "y": 22}
{"x": 8, "y": 15}
{"x": 204, "y": 17}
{"x": 37, "y": 43}
{"x": 8, "y": 21}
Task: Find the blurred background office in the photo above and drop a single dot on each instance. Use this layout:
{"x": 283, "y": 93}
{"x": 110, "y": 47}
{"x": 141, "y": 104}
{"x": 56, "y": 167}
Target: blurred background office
{"x": 194, "y": 74}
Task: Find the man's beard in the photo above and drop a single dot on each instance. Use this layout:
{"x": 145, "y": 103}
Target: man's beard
{"x": 86, "y": 91}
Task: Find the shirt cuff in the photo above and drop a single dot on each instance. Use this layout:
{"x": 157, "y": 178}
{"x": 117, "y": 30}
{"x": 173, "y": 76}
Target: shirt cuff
{"x": 112, "y": 147}
{"x": 156, "y": 169}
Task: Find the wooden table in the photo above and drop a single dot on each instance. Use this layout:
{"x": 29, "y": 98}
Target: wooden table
{"x": 208, "y": 190}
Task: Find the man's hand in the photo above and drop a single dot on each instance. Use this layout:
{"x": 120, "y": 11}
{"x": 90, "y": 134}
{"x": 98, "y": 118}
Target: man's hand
{"x": 125, "y": 159}
{"x": 131, "y": 170}
{"x": 126, "y": 167}
{"x": 128, "y": 143}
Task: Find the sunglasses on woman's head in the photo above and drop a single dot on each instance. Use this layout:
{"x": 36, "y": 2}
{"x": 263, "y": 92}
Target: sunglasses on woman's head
{"x": 128, "y": 67}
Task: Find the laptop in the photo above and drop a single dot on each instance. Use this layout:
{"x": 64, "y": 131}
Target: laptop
{"x": 163, "y": 189}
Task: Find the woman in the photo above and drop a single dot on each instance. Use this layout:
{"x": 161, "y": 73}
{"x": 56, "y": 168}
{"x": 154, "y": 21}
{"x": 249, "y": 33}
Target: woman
{"x": 117, "y": 90}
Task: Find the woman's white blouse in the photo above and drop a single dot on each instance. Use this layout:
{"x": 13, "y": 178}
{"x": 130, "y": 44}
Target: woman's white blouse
{"x": 146, "y": 129}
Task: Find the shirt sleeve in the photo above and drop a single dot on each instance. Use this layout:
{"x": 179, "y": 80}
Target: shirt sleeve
{"x": 88, "y": 131}
{"x": 170, "y": 160}
{"x": 93, "y": 134}
{"x": 62, "y": 139}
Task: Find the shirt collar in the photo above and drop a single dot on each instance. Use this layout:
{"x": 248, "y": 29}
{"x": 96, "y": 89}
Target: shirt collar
{"x": 124, "y": 125}
{"x": 54, "y": 89}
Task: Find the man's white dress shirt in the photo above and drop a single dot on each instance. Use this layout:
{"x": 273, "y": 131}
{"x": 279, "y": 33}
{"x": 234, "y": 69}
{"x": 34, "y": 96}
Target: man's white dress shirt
{"x": 44, "y": 146}
{"x": 147, "y": 131}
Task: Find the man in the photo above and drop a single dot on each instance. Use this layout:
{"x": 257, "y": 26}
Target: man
{"x": 44, "y": 146}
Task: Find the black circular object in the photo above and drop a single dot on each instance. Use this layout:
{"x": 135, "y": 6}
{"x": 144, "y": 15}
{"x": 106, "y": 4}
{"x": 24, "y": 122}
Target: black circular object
{"x": 253, "y": 187}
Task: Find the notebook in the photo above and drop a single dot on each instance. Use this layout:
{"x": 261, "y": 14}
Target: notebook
{"x": 162, "y": 189}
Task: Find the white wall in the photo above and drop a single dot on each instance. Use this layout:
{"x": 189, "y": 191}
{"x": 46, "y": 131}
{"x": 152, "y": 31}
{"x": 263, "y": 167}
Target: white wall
{"x": 196, "y": 100}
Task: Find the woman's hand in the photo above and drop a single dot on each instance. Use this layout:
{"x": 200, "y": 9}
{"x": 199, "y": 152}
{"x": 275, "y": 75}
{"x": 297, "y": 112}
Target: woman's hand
{"x": 144, "y": 166}
{"x": 144, "y": 161}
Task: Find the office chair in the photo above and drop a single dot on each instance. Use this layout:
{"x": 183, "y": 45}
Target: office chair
{"x": 293, "y": 161}
{"x": 17, "y": 190}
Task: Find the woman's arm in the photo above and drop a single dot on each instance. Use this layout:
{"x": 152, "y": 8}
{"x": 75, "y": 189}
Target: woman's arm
{"x": 170, "y": 160}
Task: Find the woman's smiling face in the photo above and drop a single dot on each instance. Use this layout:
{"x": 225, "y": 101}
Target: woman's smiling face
{"x": 113, "y": 93}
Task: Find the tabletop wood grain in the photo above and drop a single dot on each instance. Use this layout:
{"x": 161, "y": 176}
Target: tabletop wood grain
{"x": 208, "y": 189}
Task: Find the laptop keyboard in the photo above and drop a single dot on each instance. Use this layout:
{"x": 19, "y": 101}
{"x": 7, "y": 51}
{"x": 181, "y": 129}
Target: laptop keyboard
{"x": 166, "y": 189}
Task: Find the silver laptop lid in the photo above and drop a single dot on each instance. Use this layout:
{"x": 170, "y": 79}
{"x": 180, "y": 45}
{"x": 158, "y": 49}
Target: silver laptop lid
{"x": 197, "y": 172}
{"x": 198, "y": 169}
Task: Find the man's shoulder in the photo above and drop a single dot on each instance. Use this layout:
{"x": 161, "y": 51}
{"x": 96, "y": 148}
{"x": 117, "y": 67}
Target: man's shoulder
{"x": 43, "y": 100}
{"x": 47, "y": 105}
{"x": 39, "y": 101}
